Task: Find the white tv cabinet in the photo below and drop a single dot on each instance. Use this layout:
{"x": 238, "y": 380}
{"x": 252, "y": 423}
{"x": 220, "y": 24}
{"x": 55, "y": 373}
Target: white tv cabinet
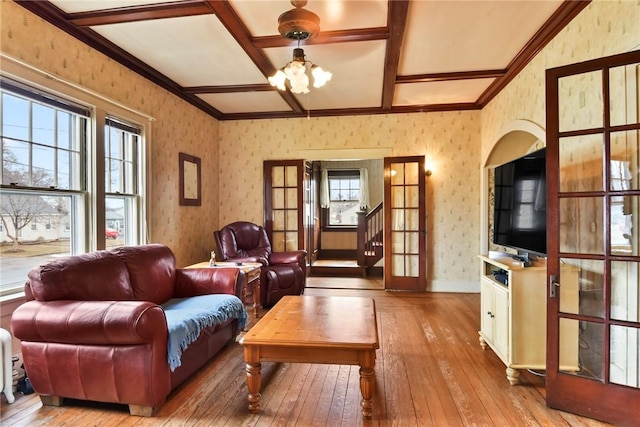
{"x": 513, "y": 317}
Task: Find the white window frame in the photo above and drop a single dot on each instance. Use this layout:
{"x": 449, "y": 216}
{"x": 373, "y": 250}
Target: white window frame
{"x": 340, "y": 175}
{"x": 91, "y": 236}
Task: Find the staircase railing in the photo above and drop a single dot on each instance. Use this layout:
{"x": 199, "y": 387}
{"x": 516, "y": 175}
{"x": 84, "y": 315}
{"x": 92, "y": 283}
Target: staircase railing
{"x": 370, "y": 232}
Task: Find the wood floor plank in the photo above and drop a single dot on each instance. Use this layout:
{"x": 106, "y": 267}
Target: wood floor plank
{"x": 398, "y": 402}
{"x": 282, "y": 412}
{"x": 339, "y": 396}
{"x": 430, "y": 371}
{"x": 311, "y": 400}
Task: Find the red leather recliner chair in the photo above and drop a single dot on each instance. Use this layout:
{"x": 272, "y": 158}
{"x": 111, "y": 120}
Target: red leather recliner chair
{"x": 283, "y": 273}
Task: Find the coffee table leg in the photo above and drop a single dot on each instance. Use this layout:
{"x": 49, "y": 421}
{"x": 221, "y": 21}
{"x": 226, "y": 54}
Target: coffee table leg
{"x": 367, "y": 383}
{"x": 254, "y": 377}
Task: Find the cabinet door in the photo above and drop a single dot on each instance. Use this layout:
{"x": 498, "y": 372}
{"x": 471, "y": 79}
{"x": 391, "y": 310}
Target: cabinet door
{"x": 486, "y": 309}
{"x": 501, "y": 321}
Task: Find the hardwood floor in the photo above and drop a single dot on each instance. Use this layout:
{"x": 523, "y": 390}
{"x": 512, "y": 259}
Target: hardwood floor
{"x": 430, "y": 371}
{"x": 345, "y": 283}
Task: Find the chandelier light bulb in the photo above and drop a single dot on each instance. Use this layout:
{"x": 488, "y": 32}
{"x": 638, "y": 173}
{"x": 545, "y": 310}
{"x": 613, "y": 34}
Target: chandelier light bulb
{"x": 296, "y": 73}
{"x": 278, "y": 80}
{"x": 320, "y": 76}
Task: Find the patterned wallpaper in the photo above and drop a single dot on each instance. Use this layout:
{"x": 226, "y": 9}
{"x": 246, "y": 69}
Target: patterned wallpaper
{"x": 178, "y": 127}
{"x": 455, "y": 143}
{"x": 605, "y": 27}
{"x": 449, "y": 141}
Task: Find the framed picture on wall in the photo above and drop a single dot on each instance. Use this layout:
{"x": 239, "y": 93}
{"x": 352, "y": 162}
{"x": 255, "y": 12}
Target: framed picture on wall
{"x": 190, "y": 192}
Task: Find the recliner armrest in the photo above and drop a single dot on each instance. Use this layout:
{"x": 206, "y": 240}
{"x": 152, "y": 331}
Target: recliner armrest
{"x": 204, "y": 281}
{"x": 287, "y": 257}
{"x": 89, "y": 322}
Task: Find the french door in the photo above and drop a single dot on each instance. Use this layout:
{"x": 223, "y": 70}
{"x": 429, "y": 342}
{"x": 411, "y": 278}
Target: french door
{"x": 593, "y": 164}
{"x": 405, "y": 224}
{"x": 284, "y": 204}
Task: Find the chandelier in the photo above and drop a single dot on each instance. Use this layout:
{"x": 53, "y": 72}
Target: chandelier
{"x": 299, "y": 24}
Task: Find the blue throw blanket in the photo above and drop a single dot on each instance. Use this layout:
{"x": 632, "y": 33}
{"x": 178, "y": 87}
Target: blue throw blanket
{"x": 187, "y": 317}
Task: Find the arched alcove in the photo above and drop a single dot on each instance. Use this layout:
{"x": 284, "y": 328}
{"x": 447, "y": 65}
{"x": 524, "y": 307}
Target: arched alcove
{"x": 517, "y": 139}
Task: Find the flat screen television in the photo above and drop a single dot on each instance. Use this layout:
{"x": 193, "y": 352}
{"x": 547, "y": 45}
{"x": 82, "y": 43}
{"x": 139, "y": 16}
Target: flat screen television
{"x": 519, "y": 213}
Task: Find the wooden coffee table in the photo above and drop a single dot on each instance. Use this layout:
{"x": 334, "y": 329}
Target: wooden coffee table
{"x": 305, "y": 329}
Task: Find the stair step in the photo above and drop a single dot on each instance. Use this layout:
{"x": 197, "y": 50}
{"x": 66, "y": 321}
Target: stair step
{"x": 337, "y": 271}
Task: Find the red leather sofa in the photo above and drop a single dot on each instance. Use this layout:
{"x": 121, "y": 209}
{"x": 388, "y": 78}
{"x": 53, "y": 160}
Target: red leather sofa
{"x": 93, "y": 328}
{"x": 282, "y": 273}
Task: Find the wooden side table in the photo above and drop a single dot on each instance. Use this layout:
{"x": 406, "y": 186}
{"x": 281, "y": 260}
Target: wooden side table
{"x": 252, "y": 273}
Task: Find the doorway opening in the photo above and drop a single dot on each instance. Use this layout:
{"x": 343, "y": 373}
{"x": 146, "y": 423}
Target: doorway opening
{"x": 347, "y": 193}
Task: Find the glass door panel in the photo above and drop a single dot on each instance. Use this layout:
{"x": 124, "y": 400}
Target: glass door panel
{"x": 623, "y": 357}
{"x": 405, "y": 224}
{"x": 581, "y": 223}
{"x": 580, "y": 101}
{"x": 580, "y": 161}
{"x": 625, "y": 290}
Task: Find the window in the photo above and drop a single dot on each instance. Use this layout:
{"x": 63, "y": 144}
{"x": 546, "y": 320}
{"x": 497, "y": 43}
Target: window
{"x": 49, "y": 165}
{"x": 43, "y": 142}
{"x": 344, "y": 198}
{"x": 121, "y": 183}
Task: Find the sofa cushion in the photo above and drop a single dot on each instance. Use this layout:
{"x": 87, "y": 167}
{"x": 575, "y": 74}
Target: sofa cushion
{"x": 152, "y": 271}
{"x": 96, "y": 276}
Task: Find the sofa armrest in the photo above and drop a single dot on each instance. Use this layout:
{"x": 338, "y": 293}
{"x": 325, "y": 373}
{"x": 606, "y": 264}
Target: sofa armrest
{"x": 287, "y": 257}
{"x": 204, "y": 281}
{"x": 89, "y": 322}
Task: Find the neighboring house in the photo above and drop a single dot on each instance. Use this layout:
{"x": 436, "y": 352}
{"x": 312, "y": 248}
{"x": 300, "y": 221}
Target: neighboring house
{"x": 46, "y": 223}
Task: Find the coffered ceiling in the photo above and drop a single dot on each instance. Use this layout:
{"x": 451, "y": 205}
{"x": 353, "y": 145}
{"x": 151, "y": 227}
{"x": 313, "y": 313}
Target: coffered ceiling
{"x": 386, "y": 56}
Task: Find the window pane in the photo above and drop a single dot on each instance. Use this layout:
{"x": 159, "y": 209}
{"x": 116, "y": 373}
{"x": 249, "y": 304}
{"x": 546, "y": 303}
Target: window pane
{"x": 15, "y": 117}
{"x": 64, "y": 130}
{"x": 43, "y": 174}
{"x": 116, "y": 221}
{"x": 343, "y": 213}
{"x": 121, "y": 162}
{"x": 15, "y": 162}
{"x": 46, "y": 136}
{"x": 64, "y": 170}
{"x": 24, "y": 247}
{"x": 43, "y": 125}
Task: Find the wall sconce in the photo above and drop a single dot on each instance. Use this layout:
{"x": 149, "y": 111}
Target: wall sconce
{"x": 428, "y": 168}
